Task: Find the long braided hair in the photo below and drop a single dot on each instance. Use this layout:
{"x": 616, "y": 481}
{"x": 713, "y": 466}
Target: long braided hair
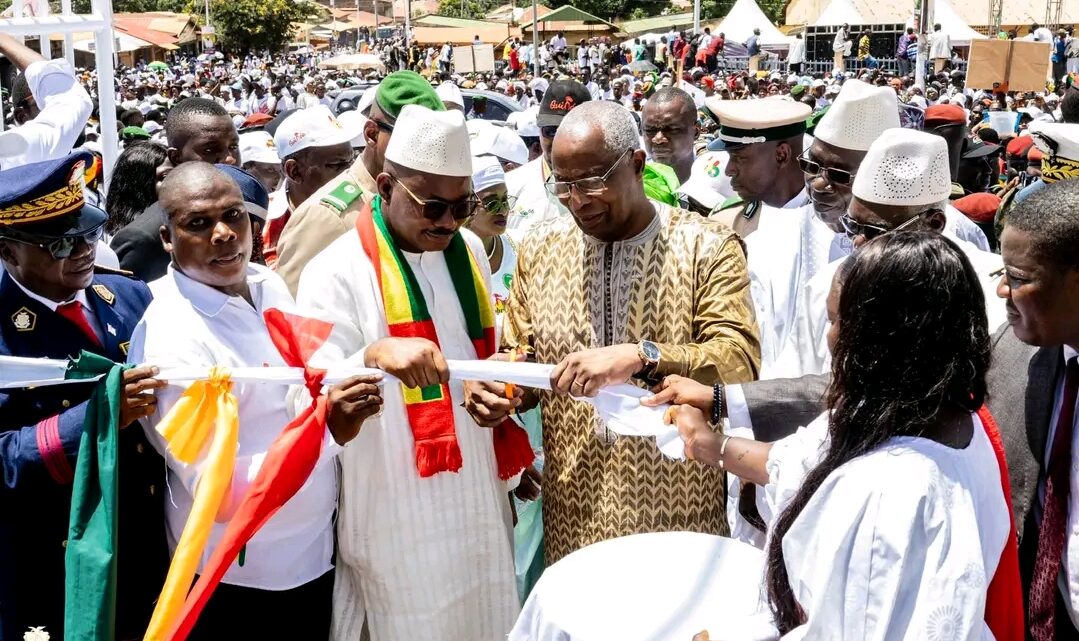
{"x": 911, "y": 342}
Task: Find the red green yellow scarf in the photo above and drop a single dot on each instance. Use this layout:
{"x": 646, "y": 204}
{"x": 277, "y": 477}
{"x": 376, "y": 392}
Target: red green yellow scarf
{"x": 430, "y": 409}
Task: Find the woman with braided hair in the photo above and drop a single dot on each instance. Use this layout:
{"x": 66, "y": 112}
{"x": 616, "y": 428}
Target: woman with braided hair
{"x": 892, "y": 520}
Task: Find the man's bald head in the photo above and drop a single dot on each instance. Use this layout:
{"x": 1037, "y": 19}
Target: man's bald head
{"x": 186, "y": 182}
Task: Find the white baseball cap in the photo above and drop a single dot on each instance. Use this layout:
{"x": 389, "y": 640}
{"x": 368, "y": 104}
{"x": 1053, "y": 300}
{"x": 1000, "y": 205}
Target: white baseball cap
{"x": 258, "y": 146}
{"x": 354, "y": 121}
{"x": 905, "y": 167}
{"x": 708, "y": 183}
{"x": 312, "y": 127}
{"x": 526, "y": 122}
{"x": 449, "y": 92}
{"x": 432, "y": 142}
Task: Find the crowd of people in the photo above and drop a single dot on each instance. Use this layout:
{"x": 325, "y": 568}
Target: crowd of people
{"x": 857, "y": 294}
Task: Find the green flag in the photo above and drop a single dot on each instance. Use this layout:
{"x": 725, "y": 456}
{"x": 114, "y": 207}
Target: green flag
{"x": 90, "y": 587}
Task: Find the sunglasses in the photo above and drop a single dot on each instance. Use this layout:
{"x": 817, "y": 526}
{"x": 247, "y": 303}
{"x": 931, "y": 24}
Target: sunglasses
{"x": 384, "y": 126}
{"x": 435, "y": 208}
{"x": 549, "y": 131}
{"x": 498, "y": 205}
{"x": 58, "y": 248}
{"x": 854, "y": 228}
{"x": 592, "y": 186}
{"x": 834, "y": 176}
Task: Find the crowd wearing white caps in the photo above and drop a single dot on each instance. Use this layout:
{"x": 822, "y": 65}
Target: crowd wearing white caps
{"x": 806, "y": 169}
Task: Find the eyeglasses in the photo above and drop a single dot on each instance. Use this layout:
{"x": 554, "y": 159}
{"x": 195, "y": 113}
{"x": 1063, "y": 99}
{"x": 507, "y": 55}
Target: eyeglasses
{"x": 592, "y": 186}
{"x": 498, "y": 205}
{"x": 869, "y": 232}
{"x": 58, "y": 248}
{"x": 435, "y": 208}
{"x": 384, "y": 126}
{"x": 549, "y": 131}
{"x": 835, "y": 176}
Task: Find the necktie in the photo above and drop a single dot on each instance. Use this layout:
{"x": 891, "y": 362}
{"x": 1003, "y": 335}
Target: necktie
{"x": 73, "y": 311}
{"x": 1051, "y": 538}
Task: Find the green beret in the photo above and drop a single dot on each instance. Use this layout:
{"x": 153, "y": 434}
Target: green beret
{"x": 135, "y": 132}
{"x": 402, "y": 88}
{"x": 797, "y": 91}
{"x": 811, "y": 123}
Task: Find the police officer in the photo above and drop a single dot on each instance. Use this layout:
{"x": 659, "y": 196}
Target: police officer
{"x": 54, "y": 303}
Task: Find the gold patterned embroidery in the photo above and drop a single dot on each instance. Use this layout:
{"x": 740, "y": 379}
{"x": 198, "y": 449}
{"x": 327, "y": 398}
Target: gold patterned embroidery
{"x": 58, "y": 203}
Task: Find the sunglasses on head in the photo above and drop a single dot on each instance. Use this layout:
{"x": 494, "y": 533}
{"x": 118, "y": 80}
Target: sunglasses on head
{"x": 435, "y": 208}
{"x": 834, "y": 176}
{"x": 61, "y": 247}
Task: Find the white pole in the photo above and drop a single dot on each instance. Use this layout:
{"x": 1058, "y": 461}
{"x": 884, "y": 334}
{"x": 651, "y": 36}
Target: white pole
{"x": 408, "y": 25}
{"x": 696, "y": 16}
{"x": 535, "y": 41}
{"x": 106, "y": 87}
{"x": 925, "y": 26}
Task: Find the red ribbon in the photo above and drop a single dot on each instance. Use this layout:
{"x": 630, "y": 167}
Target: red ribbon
{"x": 289, "y": 461}
{"x": 1004, "y": 597}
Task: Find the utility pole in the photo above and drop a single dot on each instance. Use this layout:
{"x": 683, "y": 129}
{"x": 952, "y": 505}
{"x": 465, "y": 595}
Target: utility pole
{"x": 925, "y": 17}
{"x": 696, "y": 16}
{"x": 535, "y": 41}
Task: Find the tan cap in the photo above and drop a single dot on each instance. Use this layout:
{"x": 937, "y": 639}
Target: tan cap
{"x": 745, "y": 122}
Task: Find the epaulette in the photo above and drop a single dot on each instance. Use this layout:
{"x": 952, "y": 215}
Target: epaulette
{"x": 733, "y": 201}
{"x": 748, "y": 211}
{"x": 343, "y": 195}
{"x": 111, "y": 271}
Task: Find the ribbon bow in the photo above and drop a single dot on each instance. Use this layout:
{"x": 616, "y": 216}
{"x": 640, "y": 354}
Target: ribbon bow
{"x": 289, "y": 461}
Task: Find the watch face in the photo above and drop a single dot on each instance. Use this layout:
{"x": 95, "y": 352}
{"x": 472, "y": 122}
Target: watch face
{"x": 651, "y": 351}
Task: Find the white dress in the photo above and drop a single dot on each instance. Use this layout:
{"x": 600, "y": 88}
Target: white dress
{"x": 420, "y": 558}
{"x": 900, "y": 543}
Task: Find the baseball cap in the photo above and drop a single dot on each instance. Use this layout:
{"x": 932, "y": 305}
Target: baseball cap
{"x": 258, "y": 146}
{"x": 311, "y": 127}
{"x": 559, "y": 99}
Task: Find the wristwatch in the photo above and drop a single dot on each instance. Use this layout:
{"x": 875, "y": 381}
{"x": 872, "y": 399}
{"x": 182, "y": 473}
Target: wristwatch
{"x": 648, "y": 352}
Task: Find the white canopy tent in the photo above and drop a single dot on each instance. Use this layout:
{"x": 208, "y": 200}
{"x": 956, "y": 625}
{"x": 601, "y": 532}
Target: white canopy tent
{"x": 839, "y": 12}
{"x": 122, "y": 43}
{"x": 745, "y": 16}
{"x": 957, "y": 29}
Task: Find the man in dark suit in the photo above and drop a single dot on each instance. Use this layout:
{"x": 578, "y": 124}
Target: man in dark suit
{"x": 53, "y": 304}
{"x": 197, "y": 129}
{"x": 1033, "y": 383}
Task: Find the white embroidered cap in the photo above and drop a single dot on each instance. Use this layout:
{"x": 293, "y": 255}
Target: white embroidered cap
{"x": 312, "y": 127}
{"x": 434, "y": 142}
{"x": 258, "y": 146}
{"x": 708, "y": 183}
{"x": 904, "y": 167}
{"x": 449, "y": 92}
{"x": 486, "y": 173}
{"x": 859, "y": 115}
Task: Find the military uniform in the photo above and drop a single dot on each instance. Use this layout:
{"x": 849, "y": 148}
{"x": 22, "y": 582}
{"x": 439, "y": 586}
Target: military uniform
{"x": 40, "y": 428}
{"x": 322, "y": 219}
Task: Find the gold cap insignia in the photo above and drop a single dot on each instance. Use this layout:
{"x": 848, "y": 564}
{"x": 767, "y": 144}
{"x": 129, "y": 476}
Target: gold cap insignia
{"x": 24, "y": 320}
{"x": 104, "y": 293}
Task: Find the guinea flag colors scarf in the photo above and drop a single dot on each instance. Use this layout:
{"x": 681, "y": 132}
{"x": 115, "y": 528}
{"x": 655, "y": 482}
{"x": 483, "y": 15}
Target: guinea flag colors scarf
{"x": 430, "y": 409}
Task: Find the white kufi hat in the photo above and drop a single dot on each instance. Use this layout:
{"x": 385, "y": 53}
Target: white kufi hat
{"x": 433, "y": 142}
{"x": 486, "y": 172}
{"x": 449, "y": 92}
{"x": 904, "y": 167}
{"x": 859, "y": 115}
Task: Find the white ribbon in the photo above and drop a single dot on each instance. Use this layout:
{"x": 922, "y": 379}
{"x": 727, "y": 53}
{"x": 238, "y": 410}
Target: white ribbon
{"x": 618, "y": 405}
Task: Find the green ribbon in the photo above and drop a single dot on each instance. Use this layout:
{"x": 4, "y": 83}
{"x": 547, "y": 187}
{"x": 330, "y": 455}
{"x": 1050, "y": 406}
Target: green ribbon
{"x": 90, "y": 586}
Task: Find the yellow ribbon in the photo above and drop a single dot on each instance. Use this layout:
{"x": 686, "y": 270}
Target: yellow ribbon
{"x": 207, "y": 406}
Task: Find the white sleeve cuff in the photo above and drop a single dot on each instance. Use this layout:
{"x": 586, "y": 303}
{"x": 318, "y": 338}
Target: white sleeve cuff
{"x": 737, "y": 410}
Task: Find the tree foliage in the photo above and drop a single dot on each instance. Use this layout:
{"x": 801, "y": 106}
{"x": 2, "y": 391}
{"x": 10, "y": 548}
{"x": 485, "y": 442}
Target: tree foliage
{"x": 473, "y": 9}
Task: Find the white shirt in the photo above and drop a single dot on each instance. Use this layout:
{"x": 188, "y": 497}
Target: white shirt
{"x": 191, "y": 324}
{"x": 918, "y": 528}
{"x": 958, "y": 225}
{"x": 444, "y": 56}
{"x": 797, "y": 52}
{"x": 307, "y": 100}
{"x": 940, "y": 45}
{"x": 535, "y": 204}
{"x": 558, "y": 43}
{"x": 64, "y": 109}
